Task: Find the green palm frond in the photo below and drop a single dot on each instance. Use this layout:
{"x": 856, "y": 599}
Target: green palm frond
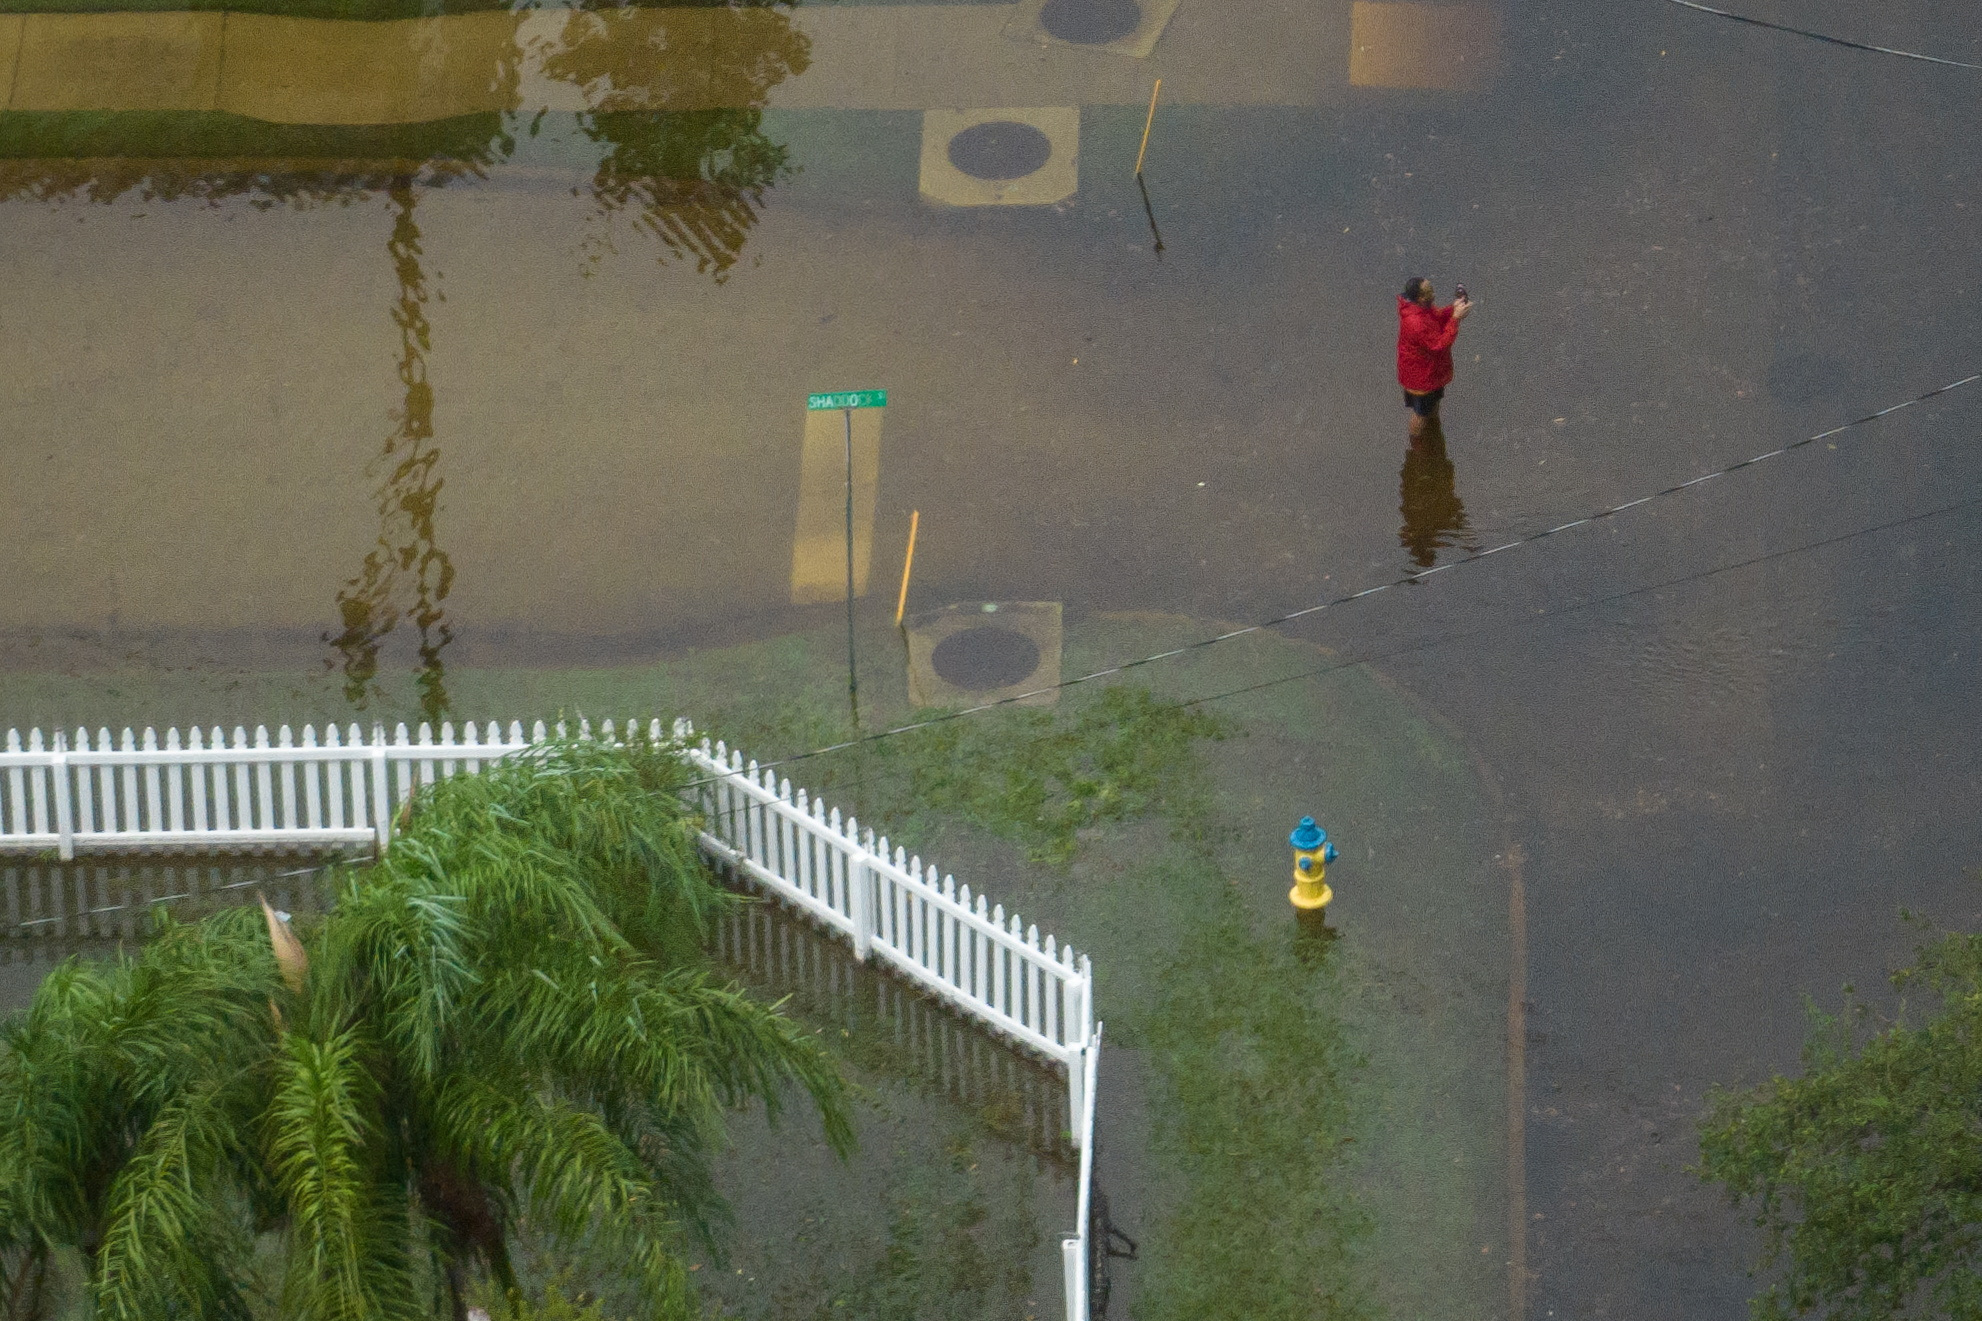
{"x": 673, "y": 1042}
{"x": 608, "y": 820}
{"x": 576, "y": 1176}
{"x": 103, "y": 1047}
{"x": 564, "y": 1161}
{"x": 169, "y": 1242}
{"x": 738, "y": 1049}
{"x": 347, "y": 1250}
{"x": 397, "y": 955}
{"x": 507, "y": 1015}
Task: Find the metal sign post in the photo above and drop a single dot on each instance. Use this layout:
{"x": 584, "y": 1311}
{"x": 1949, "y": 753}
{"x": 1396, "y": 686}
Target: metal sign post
{"x": 846, "y": 401}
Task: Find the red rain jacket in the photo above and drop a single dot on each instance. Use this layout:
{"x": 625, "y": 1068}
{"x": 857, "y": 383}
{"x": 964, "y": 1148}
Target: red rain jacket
{"x": 1424, "y": 346}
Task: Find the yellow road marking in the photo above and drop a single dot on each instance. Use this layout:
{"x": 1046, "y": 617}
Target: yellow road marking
{"x": 118, "y": 62}
{"x": 11, "y": 26}
{"x": 1446, "y": 47}
{"x": 908, "y": 562}
{"x": 818, "y": 552}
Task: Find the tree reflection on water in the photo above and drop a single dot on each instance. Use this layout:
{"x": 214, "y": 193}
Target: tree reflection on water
{"x": 677, "y": 96}
{"x": 405, "y": 557}
{"x": 694, "y": 181}
{"x": 677, "y": 155}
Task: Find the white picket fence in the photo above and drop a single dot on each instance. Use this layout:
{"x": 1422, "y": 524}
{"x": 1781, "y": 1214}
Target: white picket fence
{"x": 955, "y": 945}
{"x": 959, "y": 947}
{"x": 1078, "y": 1254}
{"x": 200, "y": 792}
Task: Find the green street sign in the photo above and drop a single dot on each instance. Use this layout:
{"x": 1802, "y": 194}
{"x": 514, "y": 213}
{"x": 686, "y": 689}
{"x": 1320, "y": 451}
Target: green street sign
{"x": 848, "y": 399}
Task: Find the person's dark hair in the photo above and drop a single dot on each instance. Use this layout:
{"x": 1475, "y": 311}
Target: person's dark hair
{"x": 1414, "y": 287}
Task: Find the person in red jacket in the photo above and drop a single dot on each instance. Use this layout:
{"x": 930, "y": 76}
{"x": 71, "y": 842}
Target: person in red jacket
{"x": 1424, "y": 349}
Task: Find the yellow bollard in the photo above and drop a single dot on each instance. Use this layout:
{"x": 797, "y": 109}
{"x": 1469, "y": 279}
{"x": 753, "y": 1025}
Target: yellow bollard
{"x": 1147, "y": 124}
{"x": 901, "y": 604}
{"x": 1312, "y": 854}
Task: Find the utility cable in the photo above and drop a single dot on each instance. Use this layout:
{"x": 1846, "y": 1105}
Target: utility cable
{"x": 1430, "y": 644}
{"x": 169, "y": 898}
{"x": 1446, "y": 639}
{"x": 1819, "y": 36}
{"x": 1408, "y": 579}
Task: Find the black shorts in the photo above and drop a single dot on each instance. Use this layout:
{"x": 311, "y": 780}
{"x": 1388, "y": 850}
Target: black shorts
{"x": 1424, "y": 404}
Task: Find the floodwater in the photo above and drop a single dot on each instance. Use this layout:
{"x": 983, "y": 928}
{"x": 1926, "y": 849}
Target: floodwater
{"x": 488, "y": 345}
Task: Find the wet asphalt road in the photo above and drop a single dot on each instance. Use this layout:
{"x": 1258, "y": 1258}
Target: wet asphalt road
{"x": 1692, "y": 241}
{"x": 1727, "y": 789}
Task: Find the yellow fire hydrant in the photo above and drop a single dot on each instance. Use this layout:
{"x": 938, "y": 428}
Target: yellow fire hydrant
{"x": 1312, "y": 854}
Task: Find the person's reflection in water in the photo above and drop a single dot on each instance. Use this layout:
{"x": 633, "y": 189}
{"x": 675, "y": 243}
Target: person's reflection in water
{"x": 404, "y": 559}
{"x": 1428, "y": 498}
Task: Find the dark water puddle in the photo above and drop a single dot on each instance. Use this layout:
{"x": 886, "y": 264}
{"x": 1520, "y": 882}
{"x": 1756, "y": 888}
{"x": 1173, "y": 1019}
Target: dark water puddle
{"x": 72, "y": 906}
{"x": 51, "y": 911}
{"x": 964, "y": 1181}
{"x": 892, "y": 1030}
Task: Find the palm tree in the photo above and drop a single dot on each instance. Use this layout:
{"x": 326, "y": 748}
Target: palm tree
{"x": 505, "y": 1019}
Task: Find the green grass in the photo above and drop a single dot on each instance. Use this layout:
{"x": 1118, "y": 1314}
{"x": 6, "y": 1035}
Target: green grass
{"x": 1035, "y": 778}
{"x": 362, "y": 10}
{"x": 1256, "y": 1077}
{"x": 1325, "y": 1132}
{"x": 1336, "y": 1123}
{"x": 213, "y": 134}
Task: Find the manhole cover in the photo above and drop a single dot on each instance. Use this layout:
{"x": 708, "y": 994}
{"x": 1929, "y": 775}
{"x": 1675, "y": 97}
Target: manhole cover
{"x": 1002, "y": 149}
{"x": 1090, "y": 22}
{"x": 981, "y": 658}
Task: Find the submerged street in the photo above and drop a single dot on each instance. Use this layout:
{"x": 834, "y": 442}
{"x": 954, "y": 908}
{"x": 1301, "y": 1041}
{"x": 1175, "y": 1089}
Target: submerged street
{"x": 362, "y": 389}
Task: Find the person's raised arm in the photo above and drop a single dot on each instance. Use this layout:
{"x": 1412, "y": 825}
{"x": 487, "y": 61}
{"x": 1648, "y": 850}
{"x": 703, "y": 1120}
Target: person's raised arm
{"x": 1442, "y": 338}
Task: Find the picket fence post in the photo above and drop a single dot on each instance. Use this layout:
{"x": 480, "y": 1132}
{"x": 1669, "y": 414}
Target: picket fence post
{"x": 381, "y": 805}
{"x": 1077, "y": 1095}
{"x": 65, "y": 817}
{"x": 861, "y": 877}
{"x": 1073, "y": 1253}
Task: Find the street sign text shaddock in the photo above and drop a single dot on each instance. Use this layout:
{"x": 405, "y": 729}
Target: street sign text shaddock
{"x": 848, "y": 399}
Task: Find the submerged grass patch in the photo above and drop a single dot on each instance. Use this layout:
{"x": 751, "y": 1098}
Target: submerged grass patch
{"x": 155, "y": 134}
{"x": 1254, "y": 1120}
{"x": 961, "y": 1231}
{"x": 1036, "y": 778}
{"x": 1252, "y": 1067}
{"x": 1153, "y": 836}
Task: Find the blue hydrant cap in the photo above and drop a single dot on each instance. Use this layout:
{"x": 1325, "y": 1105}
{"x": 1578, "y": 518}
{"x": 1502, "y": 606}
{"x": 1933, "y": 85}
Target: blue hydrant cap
{"x": 1308, "y": 835}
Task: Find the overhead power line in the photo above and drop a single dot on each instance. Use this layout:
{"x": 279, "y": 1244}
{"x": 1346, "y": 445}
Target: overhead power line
{"x": 1819, "y": 36}
{"x": 1445, "y": 639}
{"x": 1408, "y": 579}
